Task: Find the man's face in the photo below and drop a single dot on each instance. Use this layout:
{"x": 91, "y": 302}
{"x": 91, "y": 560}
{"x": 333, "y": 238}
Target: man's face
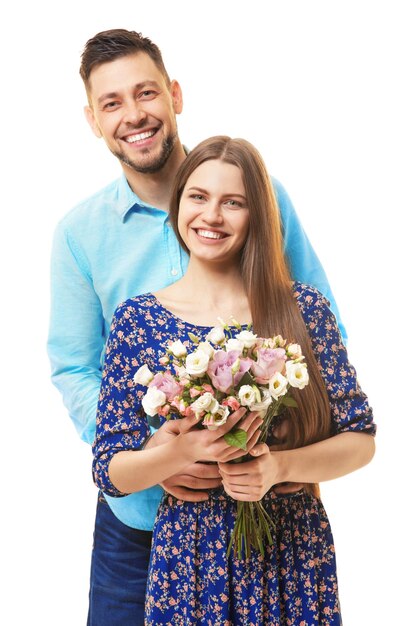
{"x": 133, "y": 108}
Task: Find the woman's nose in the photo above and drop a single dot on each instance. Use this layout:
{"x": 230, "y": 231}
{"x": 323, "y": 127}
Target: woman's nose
{"x": 213, "y": 213}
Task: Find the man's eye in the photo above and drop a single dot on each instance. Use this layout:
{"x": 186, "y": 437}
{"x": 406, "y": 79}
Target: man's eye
{"x": 148, "y": 94}
{"x": 110, "y": 105}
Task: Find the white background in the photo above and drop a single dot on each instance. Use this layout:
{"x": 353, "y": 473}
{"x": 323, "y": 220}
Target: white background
{"x": 326, "y": 91}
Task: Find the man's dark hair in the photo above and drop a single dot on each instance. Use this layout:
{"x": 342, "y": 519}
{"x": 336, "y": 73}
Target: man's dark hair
{"x": 114, "y": 44}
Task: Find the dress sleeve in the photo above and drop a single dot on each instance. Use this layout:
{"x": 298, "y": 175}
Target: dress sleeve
{"x": 121, "y": 421}
{"x": 350, "y": 410}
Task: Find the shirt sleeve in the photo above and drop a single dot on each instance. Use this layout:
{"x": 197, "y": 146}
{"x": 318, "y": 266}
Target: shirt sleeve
{"x": 121, "y": 421}
{"x": 76, "y": 333}
{"x": 349, "y": 407}
{"x": 304, "y": 263}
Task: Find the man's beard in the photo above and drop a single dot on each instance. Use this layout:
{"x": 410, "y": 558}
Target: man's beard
{"x": 157, "y": 163}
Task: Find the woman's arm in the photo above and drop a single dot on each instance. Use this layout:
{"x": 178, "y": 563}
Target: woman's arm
{"x": 132, "y": 470}
{"x": 318, "y": 462}
{"x": 351, "y": 445}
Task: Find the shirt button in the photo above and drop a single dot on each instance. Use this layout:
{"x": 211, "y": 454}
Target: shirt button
{"x": 174, "y": 272}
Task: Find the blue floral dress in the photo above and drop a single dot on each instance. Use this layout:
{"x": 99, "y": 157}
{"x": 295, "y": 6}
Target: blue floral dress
{"x": 190, "y": 581}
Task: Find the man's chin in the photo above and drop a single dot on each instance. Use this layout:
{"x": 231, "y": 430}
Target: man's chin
{"x": 150, "y": 164}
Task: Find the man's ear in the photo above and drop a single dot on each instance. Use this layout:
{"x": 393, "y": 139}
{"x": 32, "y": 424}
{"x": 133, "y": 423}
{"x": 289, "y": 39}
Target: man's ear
{"x": 90, "y": 117}
{"x": 176, "y": 95}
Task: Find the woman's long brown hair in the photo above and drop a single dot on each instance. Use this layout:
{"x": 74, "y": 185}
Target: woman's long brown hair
{"x": 266, "y": 277}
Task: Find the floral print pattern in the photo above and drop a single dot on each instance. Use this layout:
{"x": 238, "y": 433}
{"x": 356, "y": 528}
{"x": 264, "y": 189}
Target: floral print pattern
{"x": 191, "y": 582}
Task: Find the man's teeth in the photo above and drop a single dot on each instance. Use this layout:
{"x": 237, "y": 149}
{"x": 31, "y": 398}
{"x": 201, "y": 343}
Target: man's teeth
{"x": 140, "y": 136}
{"x": 209, "y": 234}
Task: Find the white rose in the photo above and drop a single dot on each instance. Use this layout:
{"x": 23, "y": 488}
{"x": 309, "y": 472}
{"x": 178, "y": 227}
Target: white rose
{"x": 247, "y": 395}
{"x": 247, "y": 337}
{"x": 294, "y": 350}
{"x": 216, "y": 335}
{"x": 153, "y": 400}
{"x": 181, "y": 372}
{"x": 205, "y": 404}
{"x": 143, "y": 376}
{"x": 263, "y": 405}
{"x": 214, "y": 420}
{"x": 196, "y": 363}
{"x": 234, "y": 344}
{"x": 178, "y": 349}
{"x": 297, "y": 374}
{"x": 206, "y": 347}
{"x": 278, "y": 385}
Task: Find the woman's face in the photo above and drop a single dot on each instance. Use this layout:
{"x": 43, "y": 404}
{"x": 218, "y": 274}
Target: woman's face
{"x": 213, "y": 218}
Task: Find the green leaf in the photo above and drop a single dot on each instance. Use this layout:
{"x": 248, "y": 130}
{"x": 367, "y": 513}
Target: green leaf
{"x": 288, "y": 401}
{"x": 246, "y": 379}
{"x": 193, "y": 338}
{"x": 237, "y": 438}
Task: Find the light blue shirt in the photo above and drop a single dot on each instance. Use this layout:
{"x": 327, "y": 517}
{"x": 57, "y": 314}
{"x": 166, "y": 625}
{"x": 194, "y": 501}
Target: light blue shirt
{"x": 109, "y": 248}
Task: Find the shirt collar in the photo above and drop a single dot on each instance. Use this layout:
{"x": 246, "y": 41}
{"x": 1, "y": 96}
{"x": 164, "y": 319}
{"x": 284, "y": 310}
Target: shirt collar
{"x": 127, "y": 200}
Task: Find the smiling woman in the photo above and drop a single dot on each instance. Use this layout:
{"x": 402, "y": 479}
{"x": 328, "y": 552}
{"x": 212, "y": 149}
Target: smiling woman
{"x": 213, "y": 215}
{"x": 225, "y": 214}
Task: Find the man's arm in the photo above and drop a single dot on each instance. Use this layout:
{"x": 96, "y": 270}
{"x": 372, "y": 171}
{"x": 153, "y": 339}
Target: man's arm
{"x": 76, "y": 334}
{"x": 304, "y": 263}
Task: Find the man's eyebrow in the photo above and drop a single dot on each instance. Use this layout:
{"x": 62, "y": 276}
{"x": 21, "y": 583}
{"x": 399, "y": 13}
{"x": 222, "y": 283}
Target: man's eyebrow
{"x": 137, "y": 87}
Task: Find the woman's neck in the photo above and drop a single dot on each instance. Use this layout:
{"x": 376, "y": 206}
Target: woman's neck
{"x": 206, "y": 293}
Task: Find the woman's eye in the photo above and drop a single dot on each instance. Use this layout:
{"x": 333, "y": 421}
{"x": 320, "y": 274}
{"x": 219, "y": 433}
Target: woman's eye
{"x": 233, "y": 203}
{"x": 197, "y": 196}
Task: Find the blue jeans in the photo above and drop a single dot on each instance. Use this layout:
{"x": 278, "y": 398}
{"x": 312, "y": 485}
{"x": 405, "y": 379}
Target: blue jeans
{"x": 119, "y": 568}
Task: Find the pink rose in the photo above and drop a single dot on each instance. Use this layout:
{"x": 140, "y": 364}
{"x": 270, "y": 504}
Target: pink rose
{"x": 181, "y": 406}
{"x": 195, "y": 392}
{"x": 269, "y": 361}
{"x": 232, "y": 403}
{"x": 189, "y": 412}
{"x": 220, "y": 369}
{"x": 166, "y": 383}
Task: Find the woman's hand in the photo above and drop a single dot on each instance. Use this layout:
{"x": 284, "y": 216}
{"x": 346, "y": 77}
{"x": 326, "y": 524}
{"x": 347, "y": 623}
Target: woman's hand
{"x": 191, "y": 484}
{"x": 166, "y": 432}
{"x": 250, "y": 481}
{"x": 210, "y": 445}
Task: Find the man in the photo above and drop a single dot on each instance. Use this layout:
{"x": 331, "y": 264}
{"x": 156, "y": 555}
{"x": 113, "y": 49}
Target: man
{"x": 115, "y": 245}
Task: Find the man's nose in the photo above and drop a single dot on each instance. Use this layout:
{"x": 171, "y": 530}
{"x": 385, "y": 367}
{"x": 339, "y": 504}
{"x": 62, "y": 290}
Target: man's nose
{"x": 134, "y": 113}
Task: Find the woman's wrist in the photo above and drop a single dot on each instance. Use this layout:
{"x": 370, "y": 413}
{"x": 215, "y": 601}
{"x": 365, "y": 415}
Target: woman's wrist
{"x": 282, "y": 460}
{"x": 186, "y": 449}
{"x": 150, "y": 442}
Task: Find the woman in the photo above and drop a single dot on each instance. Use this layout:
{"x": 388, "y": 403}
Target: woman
{"x": 224, "y": 213}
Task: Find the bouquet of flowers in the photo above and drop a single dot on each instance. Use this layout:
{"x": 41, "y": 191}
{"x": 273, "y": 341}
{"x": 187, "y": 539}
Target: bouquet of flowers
{"x": 213, "y": 378}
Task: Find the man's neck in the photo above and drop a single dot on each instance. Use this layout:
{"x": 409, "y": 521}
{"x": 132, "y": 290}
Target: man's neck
{"x": 155, "y": 188}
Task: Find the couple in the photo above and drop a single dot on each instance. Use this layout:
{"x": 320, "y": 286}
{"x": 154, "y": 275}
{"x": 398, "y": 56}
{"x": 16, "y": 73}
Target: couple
{"x": 120, "y": 243}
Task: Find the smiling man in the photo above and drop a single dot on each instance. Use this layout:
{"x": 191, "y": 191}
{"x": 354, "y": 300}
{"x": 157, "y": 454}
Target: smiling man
{"x": 115, "y": 245}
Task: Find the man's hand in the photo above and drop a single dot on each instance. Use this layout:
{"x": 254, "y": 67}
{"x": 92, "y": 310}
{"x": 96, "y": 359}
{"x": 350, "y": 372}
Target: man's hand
{"x": 192, "y": 484}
